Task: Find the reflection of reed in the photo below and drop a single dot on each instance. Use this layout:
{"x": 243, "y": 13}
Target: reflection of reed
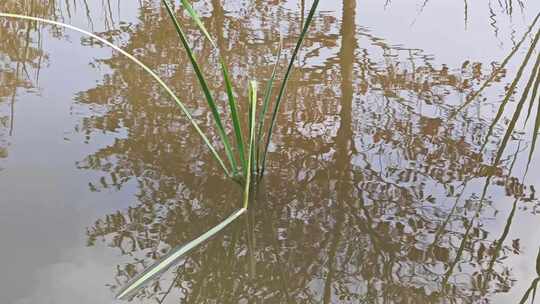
{"x": 507, "y": 7}
{"x": 534, "y": 284}
{"x": 502, "y": 146}
{"x": 497, "y": 71}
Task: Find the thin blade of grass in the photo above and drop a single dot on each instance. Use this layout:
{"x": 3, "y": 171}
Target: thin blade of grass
{"x": 252, "y": 118}
{"x": 266, "y": 101}
{"x": 285, "y": 80}
{"x": 169, "y": 260}
{"x": 144, "y": 67}
{"x": 235, "y": 118}
{"x": 497, "y": 71}
{"x": 206, "y": 90}
{"x": 233, "y": 105}
{"x": 253, "y": 105}
{"x": 197, "y": 20}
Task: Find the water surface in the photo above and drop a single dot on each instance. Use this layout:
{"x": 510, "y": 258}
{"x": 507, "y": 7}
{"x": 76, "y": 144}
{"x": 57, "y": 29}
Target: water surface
{"x": 392, "y": 177}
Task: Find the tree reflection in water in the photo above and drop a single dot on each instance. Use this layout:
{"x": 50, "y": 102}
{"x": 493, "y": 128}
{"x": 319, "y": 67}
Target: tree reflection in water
{"x": 372, "y": 196}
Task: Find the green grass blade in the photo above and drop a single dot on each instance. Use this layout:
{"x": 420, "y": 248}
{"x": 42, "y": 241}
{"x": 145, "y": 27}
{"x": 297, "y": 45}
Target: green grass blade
{"x": 197, "y": 20}
{"x": 235, "y": 118}
{"x": 173, "y": 257}
{"x": 253, "y": 106}
{"x": 285, "y": 80}
{"x": 266, "y": 102}
{"x": 497, "y": 71}
{"x": 252, "y": 101}
{"x": 232, "y": 100}
{"x": 144, "y": 67}
{"x": 206, "y": 90}
{"x": 252, "y": 123}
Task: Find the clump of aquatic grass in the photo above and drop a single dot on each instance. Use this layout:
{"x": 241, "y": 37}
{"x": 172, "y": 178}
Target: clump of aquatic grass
{"x": 240, "y": 159}
{"x": 247, "y": 161}
{"x": 251, "y": 162}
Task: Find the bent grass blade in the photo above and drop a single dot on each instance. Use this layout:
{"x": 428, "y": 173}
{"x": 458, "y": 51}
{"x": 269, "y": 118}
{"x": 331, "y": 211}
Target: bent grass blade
{"x": 169, "y": 260}
{"x": 179, "y": 252}
{"x": 144, "y": 67}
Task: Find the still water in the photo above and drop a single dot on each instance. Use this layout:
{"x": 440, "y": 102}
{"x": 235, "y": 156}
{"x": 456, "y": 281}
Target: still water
{"x": 402, "y": 169}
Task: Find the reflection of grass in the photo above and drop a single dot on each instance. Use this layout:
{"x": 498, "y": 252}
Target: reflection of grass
{"x": 498, "y": 70}
{"x": 534, "y": 284}
{"x": 530, "y": 89}
{"x": 252, "y": 159}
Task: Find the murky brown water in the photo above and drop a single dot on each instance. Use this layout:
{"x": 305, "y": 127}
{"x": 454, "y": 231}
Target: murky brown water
{"x": 382, "y": 186}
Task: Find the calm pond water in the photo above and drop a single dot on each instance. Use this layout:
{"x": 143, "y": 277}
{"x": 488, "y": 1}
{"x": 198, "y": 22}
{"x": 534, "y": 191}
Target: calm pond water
{"x": 397, "y": 173}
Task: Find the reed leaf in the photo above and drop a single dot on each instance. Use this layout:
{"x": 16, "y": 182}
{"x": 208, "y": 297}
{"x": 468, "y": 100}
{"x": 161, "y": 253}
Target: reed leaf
{"x": 197, "y": 20}
{"x": 169, "y": 260}
{"x": 266, "y": 101}
{"x": 252, "y": 108}
{"x": 144, "y": 67}
{"x": 252, "y": 97}
{"x": 206, "y": 90}
{"x": 233, "y": 105}
{"x": 286, "y": 79}
{"x": 237, "y": 126}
